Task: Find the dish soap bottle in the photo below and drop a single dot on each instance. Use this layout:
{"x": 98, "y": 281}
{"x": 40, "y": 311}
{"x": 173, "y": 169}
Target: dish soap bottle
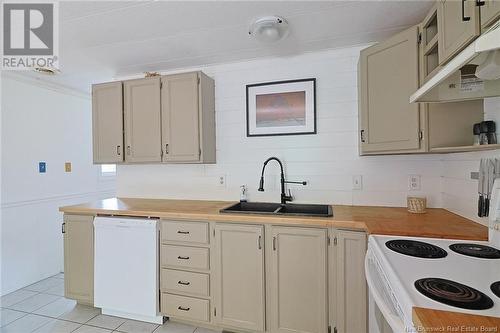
{"x": 243, "y": 193}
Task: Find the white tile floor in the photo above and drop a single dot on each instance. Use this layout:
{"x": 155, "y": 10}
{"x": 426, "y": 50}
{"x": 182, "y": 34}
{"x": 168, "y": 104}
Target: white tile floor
{"x": 42, "y": 308}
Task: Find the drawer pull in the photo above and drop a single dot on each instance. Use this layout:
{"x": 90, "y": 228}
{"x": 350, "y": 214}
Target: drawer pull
{"x": 183, "y": 258}
{"x": 184, "y": 283}
{"x": 183, "y": 232}
{"x": 183, "y": 308}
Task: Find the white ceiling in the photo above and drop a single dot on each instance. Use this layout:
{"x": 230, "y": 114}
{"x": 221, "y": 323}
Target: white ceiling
{"x": 100, "y": 40}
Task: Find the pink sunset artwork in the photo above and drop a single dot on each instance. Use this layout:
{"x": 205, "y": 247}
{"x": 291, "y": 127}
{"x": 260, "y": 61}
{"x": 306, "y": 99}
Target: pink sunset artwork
{"x": 281, "y": 109}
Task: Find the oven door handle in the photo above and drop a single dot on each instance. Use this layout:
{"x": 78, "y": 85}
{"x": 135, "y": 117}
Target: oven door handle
{"x": 392, "y": 318}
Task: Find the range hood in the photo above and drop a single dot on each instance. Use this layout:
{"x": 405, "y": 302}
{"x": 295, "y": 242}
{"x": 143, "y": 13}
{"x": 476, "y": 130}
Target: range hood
{"x": 472, "y": 74}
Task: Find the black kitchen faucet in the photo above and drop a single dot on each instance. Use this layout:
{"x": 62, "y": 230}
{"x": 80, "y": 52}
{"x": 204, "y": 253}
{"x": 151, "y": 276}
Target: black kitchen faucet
{"x": 284, "y": 197}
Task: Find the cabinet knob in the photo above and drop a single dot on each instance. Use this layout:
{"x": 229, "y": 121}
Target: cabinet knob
{"x": 183, "y": 308}
{"x": 184, "y": 283}
{"x": 166, "y": 148}
{"x": 118, "y": 150}
{"x": 183, "y": 258}
{"x": 183, "y": 232}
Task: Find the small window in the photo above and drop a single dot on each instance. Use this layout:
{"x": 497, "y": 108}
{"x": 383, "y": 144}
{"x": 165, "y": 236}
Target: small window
{"x": 108, "y": 169}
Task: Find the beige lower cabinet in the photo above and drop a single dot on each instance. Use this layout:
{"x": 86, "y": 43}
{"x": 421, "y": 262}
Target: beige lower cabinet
{"x": 298, "y": 280}
{"x": 239, "y": 276}
{"x": 78, "y": 234}
{"x": 348, "y": 282}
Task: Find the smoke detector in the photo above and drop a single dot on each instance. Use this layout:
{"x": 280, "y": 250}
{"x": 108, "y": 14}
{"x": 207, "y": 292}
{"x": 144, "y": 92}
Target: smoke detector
{"x": 46, "y": 70}
{"x": 269, "y": 29}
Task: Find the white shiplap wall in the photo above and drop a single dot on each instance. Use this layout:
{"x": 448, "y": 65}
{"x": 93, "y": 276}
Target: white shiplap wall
{"x": 41, "y": 122}
{"x": 459, "y": 190}
{"x": 327, "y": 160}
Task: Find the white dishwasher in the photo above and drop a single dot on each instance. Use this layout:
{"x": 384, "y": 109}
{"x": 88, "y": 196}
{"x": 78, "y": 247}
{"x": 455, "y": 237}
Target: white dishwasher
{"x": 126, "y": 268}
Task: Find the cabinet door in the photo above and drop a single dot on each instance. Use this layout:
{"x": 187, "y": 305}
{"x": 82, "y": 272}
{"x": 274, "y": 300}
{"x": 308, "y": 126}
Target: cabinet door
{"x": 456, "y": 27}
{"x": 298, "y": 287}
{"x": 107, "y": 122}
{"x": 79, "y": 258}
{"x": 388, "y": 76}
{"x": 351, "y": 294}
{"x": 142, "y": 120}
{"x": 240, "y": 276}
{"x": 490, "y": 12}
{"x": 180, "y": 118}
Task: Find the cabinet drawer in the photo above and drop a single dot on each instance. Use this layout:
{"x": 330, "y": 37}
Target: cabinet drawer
{"x": 184, "y": 282}
{"x": 184, "y": 257}
{"x": 185, "y": 307}
{"x": 177, "y": 231}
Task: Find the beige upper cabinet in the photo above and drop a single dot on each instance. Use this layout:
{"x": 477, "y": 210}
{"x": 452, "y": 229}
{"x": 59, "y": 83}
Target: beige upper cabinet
{"x": 79, "y": 258}
{"x": 240, "y": 294}
{"x": 459, "y": 24}
{"x": 350, "y": 283}
{"x": 142, "y": 120}
{"x": 188, "y": 119}
{"x": 107, "y": 122}
{"x": 298, "y": 280}
{"x": 388, "y": 75}
{"x": 490, "y": 12}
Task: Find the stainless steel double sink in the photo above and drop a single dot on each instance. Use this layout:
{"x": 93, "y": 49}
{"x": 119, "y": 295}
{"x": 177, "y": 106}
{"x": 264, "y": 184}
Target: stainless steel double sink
{"x": 269, "y": 208}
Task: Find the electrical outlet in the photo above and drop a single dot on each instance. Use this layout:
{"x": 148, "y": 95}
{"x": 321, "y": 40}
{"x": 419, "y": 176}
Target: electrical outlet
{"x": 221, "y": 181}
{"x": 357, "y": 182}
{"x": 414, "y": 182}
{"x": 67, "y": 167}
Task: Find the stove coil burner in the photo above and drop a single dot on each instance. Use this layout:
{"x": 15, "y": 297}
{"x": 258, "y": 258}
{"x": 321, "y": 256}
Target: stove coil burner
{"x": 416, "y": 249}
{"x": 476, "y": 250}
{"x": 495, "y": 288}
{"x": 453, "y": 293}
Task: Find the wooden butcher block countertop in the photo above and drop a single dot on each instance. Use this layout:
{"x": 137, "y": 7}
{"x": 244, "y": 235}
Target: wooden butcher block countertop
{"x": 437, "y": 223}
{"x": 429, "y": 320}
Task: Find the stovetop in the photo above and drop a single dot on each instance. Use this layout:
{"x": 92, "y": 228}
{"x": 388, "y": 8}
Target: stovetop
{"x": 438, "y": 277}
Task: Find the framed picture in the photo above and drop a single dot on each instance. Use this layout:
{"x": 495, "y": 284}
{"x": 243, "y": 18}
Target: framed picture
{"x": 281, "y": 108}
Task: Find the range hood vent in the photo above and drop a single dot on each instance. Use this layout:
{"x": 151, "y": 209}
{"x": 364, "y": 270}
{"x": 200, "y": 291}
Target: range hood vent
{"x": 473, "y": 74}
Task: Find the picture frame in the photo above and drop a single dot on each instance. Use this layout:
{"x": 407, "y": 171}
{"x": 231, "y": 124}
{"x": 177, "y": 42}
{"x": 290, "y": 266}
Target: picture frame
{"x": 281, "y": 108}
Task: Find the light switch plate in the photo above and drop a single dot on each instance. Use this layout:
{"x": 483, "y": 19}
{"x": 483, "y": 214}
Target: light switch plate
{"x": 42, "y": 167}
{"x": 357, "y": 182}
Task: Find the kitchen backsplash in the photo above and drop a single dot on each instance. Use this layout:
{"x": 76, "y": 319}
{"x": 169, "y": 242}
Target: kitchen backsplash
{"x": 327, "y": 160}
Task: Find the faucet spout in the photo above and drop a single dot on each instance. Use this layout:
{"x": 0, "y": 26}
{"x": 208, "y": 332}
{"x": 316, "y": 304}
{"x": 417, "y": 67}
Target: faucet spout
{"x": 284, "y": 196}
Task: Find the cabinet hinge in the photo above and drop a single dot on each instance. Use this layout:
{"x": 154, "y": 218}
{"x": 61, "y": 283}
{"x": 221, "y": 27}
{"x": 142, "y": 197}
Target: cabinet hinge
{"x": 420, "y": 135}
{"x": 215, "y": 312}
{"x": 328, "y": 240}
{"x": 63, "y": 228}
{"x": 161, "y": 84}
{"x": 199, "y": 153}
{"x": 419, "y": 38}
{"x": 335, "y": 240}
{"x": 198, "y": 80}
{"x": 214, "y": 232}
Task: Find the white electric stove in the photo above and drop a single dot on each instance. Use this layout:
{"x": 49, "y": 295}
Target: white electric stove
{"x": 442, "y": 274}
